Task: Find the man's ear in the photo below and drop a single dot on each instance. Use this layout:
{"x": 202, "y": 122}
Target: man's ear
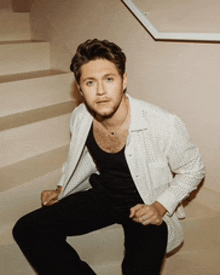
{"x": 125, "y": 81}
{"x": 79, "y": 89}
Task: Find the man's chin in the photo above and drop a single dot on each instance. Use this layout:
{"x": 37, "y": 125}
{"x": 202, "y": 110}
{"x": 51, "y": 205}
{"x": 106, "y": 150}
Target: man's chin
{"x": 101, "y": 113}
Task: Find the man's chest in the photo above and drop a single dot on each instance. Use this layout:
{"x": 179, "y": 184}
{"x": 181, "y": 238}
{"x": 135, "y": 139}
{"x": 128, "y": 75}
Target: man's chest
{"x": 111, "y": 143}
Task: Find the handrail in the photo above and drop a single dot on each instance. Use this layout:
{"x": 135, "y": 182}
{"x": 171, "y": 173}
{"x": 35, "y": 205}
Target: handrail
{"x": 157, "y": 35}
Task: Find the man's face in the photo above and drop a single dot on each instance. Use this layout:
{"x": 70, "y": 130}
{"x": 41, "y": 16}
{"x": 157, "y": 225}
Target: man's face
{"x": 102, "y": 87}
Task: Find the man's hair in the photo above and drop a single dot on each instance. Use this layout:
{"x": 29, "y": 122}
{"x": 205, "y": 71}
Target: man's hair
{"x": 97, "y": 49}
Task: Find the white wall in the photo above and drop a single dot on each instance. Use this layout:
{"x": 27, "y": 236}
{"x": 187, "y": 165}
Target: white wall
{"x": 180, "y": 77}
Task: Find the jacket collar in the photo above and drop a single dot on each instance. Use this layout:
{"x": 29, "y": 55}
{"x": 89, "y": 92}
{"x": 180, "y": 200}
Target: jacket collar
{"x": 138, "y": 120}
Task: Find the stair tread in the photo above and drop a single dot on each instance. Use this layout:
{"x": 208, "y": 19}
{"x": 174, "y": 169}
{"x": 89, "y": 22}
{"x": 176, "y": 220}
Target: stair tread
{"x": 195, "y": 210}
{"x": 22, "y": 199}
{"x": 30, "y": 75}
{"x": 197, "y": 262}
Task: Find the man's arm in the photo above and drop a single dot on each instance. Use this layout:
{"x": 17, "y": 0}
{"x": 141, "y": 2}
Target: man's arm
{"x": 185, "y": 162}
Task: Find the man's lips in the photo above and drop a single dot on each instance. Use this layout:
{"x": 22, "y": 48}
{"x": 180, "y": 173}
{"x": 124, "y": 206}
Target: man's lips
{"x": 103, "y": 101}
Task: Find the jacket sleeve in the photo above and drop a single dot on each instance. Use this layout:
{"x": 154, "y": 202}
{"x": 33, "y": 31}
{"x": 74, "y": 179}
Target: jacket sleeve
{"x": 64, "y": 167}
{"x": 185, "y": 162}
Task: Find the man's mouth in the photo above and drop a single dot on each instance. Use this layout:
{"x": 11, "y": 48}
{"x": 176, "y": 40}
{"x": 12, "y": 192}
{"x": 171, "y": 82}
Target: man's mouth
{"x": 102, "y": 101}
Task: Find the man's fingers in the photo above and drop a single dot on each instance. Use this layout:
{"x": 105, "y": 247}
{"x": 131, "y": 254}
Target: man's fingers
{"x": 51, "y": 202}
{"x": 47, "y": 197}
{"x": 140, "y": 210}
{"x": 134, "y": 210}
{"x": 145, "y": 214}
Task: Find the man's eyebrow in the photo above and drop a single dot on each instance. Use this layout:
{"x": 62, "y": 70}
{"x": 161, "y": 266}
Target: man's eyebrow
{"x": 110, "y": 74}
{"x": 93, "y": 78}
{"x": 88, "y": 78}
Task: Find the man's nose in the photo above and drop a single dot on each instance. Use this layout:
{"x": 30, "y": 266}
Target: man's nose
{"x": 100, "y": 88}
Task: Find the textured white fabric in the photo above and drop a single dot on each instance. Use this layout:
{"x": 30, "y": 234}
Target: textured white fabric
{"x": 158, "y": 147}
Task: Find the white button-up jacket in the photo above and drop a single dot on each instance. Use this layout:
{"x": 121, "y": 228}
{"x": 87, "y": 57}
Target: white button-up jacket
{"x": 164, "y": 164}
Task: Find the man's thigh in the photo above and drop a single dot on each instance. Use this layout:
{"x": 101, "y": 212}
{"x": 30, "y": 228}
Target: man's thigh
{"x": 76, "y": 214}
{"x": 86, "y": 211}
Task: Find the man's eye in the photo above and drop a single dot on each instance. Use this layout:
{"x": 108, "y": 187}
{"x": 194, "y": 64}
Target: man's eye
{"x": 109, "y": 79}
{"x": 89, "y": 83}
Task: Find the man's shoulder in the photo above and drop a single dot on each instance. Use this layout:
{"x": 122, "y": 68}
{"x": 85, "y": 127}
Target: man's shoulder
{"x": 80, "y": 115}
{"x": 79, "y": 110}
{"x": 151, "y": 110}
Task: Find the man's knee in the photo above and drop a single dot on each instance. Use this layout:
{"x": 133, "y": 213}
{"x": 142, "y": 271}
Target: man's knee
{"x": 20, "y": 229}
{"x": 25, "y": 228}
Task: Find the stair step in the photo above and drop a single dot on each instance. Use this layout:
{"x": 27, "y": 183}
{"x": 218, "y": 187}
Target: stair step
{"x": 23, "y": 199}
{"x": 105, "y": 245}
{"x": 24, "y": 56}
{"x": 32, "y": 168}
{"x": 32, "y": 116}
{"x": 197, "y": 262}
{"x": 33, "y": 139}
{"x": 30, "y": 75}
{"x": 209, "y": 198}
{"x": 107, "y": 268}
{"x": 34, "y": 90}
{"x": 104, "y": 249}
{"x": 200, "y": 232}
{"x": 14, "y": 26}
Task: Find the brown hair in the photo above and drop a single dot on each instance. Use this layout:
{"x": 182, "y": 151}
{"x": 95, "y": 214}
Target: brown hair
{"x": 97, "y": 49}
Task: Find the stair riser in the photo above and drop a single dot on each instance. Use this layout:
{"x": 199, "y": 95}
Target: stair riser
{"x": 14, "y": 26}
{"x": 33, "y": 139}
{"x": 24, "y": 95}
{"x": 16, "y": 202}
{"x": 26, "y": 171}
{"x": 24, "y": 57}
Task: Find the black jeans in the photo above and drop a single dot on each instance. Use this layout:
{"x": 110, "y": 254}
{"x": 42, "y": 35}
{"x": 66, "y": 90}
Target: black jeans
{"x": 41, "y": 235}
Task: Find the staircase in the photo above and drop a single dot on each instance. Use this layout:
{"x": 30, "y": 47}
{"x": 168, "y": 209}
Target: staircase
{"x": 34, "y": 118}
{"x": 35, "y": 106}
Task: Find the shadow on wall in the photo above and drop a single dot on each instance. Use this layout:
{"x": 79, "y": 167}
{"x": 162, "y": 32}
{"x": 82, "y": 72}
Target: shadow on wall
{"x": 21, "y": 5}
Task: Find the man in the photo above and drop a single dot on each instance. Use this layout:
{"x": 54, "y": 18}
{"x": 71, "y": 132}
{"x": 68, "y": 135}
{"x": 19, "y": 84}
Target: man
{"x": 130, "y": 163}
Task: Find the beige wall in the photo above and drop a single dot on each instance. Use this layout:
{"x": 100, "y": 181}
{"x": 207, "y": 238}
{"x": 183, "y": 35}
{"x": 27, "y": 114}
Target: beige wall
{"x": 5, "y": 4}
{"x": 180, "y": 77}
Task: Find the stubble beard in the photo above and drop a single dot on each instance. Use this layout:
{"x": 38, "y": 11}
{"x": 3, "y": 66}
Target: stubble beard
{"x": 101, "y": 116}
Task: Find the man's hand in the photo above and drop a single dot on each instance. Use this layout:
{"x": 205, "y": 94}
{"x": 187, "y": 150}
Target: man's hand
{"x": 148, "y": 214}
{"x": 49, "y": 197}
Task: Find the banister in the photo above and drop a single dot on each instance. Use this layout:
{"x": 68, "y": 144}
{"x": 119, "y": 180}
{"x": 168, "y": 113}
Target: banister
{"x": 173, "y": 36}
